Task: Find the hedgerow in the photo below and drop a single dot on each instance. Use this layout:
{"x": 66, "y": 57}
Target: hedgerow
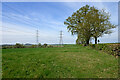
{"x": 112, "y": 49}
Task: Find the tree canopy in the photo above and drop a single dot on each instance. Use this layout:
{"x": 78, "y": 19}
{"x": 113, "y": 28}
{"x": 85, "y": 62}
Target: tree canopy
{"x": 89, "y": 22}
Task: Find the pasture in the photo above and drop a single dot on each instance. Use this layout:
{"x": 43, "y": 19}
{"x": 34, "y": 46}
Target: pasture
{"x": 70, "y": 61}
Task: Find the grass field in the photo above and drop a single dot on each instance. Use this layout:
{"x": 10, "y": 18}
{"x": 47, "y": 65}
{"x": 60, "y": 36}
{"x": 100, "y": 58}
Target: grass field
{"x": 70, "y": 61}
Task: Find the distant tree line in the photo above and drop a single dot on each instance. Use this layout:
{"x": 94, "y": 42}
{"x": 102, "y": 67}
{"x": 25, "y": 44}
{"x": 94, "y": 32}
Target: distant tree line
{"x": 89, "y": 22}
{"x": 18, "y": 45}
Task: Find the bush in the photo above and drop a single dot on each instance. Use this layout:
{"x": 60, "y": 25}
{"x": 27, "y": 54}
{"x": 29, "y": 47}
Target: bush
{"x": 17, "y": 45}
{"x": 6, "y": 47}
{"x": 44, "y": 45}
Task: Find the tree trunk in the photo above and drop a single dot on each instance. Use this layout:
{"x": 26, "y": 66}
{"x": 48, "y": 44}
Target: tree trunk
{"x": 87, "y": 42}
{"x": 95, "y": 40}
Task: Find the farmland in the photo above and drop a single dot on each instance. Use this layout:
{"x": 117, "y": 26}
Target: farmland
{"x": 70, "y": 61}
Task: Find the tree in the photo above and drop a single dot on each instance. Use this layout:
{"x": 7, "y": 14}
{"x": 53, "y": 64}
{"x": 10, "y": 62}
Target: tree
{"x": 78, "y": 24}
{"x": 39, "y": 45}
{"x": 100, "y": 23}
{"x": 80, "y": 39}
{"x": 89, "y": 22}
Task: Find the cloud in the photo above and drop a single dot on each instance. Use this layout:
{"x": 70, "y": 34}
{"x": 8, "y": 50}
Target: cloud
{"x": 23, "y": 28}
{"x": 48, "y": 28}
{"x": 77, "y": 5}
{"x": 111, "y": 38}
{"x": 15, "y": 33}
{"x": 25, "y": 17}
{"x": 40, "y": 20}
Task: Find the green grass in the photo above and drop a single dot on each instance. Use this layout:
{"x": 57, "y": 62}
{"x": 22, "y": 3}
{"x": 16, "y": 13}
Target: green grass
{"x": 70, "y": 61}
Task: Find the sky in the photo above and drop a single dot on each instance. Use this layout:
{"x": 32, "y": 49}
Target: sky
{"x": 20, "y": 20}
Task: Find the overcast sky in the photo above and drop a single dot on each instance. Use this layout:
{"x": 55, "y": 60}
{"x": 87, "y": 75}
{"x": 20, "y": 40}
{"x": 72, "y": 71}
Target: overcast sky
{"x": 20, "y": 20}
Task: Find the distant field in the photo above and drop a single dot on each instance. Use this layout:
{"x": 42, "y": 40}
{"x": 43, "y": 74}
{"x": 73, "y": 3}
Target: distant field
{"x": 70, "y": 61}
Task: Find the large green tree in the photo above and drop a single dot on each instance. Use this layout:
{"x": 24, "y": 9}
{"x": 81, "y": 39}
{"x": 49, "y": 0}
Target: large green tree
{"x": 78, "y": 24}
{"x": 100, "y": 23}
{"x": 89, "y": 22}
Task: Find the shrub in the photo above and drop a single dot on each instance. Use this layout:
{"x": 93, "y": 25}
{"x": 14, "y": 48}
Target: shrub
{"x": 45, "y": 45}
{"x": 17, "y": 45}
{"x": 7, "y": 46}
{"x": 4, "y": 47}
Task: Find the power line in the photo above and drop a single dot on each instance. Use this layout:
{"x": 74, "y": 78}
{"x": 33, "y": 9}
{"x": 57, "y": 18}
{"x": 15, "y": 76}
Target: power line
{"x": 18, "y": 11}
{"x": 24, "y": 20}
{"x": 18, "y": 20}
